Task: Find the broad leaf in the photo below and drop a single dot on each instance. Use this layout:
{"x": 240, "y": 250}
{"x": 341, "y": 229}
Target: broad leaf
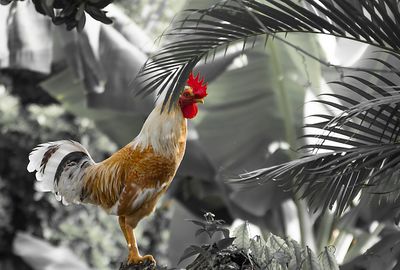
{"x": 279, "y": 249}
{"x": 311, "y": 261}
{"x": 274, "y": 265}
{"x": 190, "y": 251}
{"x": 224, "y": 243}
{"x": 296, "y": 254}
{"x": 257, "y": 249}
{"x": 202, "y": 224}
{"x": 200, "y": 231}
{"x": 327, "y": 259}
{"x": 242, "y": 237}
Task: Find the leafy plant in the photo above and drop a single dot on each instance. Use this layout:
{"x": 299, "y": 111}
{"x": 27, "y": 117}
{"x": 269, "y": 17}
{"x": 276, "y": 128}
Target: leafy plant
{"x": 243, "y": 252}
{"x": 210, "y": 226}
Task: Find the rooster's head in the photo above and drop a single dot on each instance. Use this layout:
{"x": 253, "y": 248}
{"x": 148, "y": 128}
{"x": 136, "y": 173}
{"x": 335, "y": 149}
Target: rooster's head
{"x": 195, "y": 91}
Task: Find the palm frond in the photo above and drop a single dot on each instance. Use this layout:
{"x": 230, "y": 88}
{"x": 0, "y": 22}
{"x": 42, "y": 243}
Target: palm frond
{"x": 358, "y": 148}
{"x": 334, "y": 177}
{"x": 202, "y": 32}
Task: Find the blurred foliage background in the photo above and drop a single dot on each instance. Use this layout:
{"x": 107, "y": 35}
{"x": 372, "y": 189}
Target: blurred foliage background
{"x": 57, "y": 84}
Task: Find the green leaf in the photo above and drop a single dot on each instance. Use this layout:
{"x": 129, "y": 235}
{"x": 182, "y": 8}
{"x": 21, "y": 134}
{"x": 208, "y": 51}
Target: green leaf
{"x": 311, "y": 261}
{"x": 224, "y": 243}
{"x": 200, "y": 231}
{"x": 189, "y": 252}
{"x": 268, "y": 255}
{"x": 5, "y": 2}
{"x": 202, "y": 224}
{"x": 327, "y": 259}
{"x": 257, "y": 249}
{"x": 98, "y": 14}
{"x": 48, "y": 9}
{"x": 81, "y": 23}
{"x": 278, "y": 249}
{"x": 95, "y": 1}
{"x": 225, "y": 232}
{"x": 100, "y": 3}
{"x": 80, "y": 12}
{"x": 274, "y": 265}
{"x": 296, "y": 254}
{"x": 49, "y": 3}
{"x": 241, "y": 233}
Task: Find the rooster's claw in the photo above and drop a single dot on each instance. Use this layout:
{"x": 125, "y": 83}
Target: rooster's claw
{"x": 141, "y": 259}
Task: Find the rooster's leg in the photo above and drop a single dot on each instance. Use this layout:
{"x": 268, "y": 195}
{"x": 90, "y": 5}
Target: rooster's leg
{"x": 121, "y": 220}
{"x": 134, "y": 255}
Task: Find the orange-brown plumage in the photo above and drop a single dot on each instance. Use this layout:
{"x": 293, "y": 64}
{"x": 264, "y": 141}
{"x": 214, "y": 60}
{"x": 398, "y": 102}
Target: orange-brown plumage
{"x": 130, "y": 182}
{"x": 131, "y": 165}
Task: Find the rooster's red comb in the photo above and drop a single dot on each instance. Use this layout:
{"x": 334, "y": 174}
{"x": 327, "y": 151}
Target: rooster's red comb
{"x": 197, "y": 85}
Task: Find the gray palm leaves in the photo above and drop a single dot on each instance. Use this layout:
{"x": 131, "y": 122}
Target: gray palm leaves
{"x": 360, "y": 142}
{"x": 202, "y": 32}
{"x": 360, "y": 146}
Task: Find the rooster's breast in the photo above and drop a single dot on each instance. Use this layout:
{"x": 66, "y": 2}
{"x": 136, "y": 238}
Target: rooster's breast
{"x": 149, "y": 175}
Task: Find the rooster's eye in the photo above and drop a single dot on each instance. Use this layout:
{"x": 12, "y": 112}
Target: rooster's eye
{"x": 186, "y": 94}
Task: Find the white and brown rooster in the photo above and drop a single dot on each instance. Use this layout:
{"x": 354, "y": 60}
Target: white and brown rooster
{"x": 130, "y": 182}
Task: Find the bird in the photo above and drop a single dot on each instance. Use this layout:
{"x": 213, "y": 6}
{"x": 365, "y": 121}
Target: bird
{"x": 129, "y": 183}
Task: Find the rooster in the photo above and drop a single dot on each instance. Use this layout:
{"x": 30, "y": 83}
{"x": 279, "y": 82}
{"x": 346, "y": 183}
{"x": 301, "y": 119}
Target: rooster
{"x": 129, "y": 183}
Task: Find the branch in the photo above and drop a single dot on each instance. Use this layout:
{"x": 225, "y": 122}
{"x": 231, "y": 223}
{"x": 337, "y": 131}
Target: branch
{"x": 147, "y": 265}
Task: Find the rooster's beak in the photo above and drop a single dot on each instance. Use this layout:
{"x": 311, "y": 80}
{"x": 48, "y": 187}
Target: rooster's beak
{"x": 199, "y": 100}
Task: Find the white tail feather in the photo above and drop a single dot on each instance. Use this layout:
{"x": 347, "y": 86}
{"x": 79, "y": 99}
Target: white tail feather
{"x": 60, "y": 167}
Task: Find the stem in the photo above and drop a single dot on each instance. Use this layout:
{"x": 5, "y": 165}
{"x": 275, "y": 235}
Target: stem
{"x": 285, "y": 107}
{"x": 362, "y": 241}
{"x": 325, "y": 230}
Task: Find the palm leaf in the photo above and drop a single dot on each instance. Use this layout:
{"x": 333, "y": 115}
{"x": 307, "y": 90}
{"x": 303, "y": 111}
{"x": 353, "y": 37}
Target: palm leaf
{"x": 200, "y": 33}
{"x": 360, "y": 146}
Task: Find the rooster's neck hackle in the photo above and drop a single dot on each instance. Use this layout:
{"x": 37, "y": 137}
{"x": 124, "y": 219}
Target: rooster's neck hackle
{"x": 164, "y": 131}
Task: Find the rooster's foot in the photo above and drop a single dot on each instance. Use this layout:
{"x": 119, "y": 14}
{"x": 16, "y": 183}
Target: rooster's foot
{"x": 141, "y": 259}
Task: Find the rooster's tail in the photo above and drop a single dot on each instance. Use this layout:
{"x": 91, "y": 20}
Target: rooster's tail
{"x": 60, "y": 168}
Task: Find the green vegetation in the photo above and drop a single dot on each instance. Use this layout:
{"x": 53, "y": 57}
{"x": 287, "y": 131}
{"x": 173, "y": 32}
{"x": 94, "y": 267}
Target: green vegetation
{"x": 243, "y": 252}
